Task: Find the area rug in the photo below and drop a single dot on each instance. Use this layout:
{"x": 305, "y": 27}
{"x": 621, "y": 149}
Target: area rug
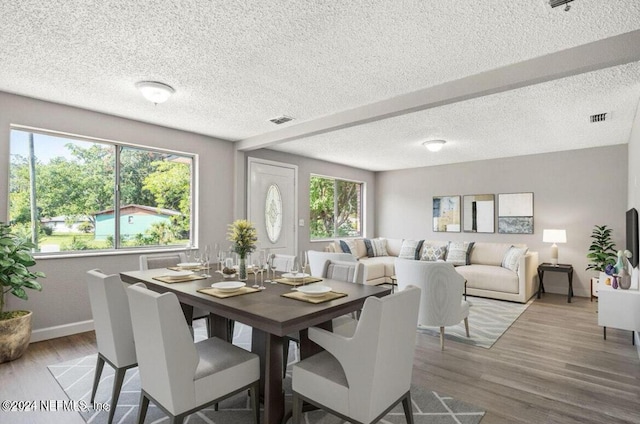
{"x": 76, "y": 378}
{"x": 488, "y": 320}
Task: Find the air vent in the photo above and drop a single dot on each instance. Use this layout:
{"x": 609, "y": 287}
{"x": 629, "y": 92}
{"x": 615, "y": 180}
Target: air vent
{"x": 600, "y": 117}
{"x": 556, "y": 3}
{"x": 281, "y": 119}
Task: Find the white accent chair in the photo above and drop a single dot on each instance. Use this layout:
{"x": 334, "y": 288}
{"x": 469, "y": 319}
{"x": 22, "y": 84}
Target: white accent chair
{"x": 442, "y": 287}
{"x": 361, "y": 378}
{"x": 318, "y": 259}
{"x": 166, "y": 260}
{"x": 114, "y": 335}
{"x": 179, "y": 376}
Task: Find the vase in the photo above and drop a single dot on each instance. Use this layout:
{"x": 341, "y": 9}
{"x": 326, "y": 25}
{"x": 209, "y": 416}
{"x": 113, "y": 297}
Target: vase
{"x": 614, "y": 283}
{"x": 624, "y": 279}
{"x": 242, "y": 269}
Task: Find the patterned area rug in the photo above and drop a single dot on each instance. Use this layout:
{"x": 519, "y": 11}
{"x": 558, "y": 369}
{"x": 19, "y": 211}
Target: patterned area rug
{"x": 76, "y": 377}
{"x": 488, "y": 320}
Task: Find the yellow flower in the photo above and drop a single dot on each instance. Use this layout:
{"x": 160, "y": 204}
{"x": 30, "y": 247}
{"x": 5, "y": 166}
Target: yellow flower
{"x": 244, "y": 237}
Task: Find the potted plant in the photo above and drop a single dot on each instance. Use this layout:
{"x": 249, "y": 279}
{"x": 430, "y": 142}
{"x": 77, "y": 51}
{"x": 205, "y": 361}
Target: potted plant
{"x": 601, "y": 252}
{"x": 15, "y": 277}
{"x": 244, "y": 237}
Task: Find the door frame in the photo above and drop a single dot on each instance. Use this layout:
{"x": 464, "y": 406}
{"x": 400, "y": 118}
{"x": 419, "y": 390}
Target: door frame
{"x": 253, "y": 160}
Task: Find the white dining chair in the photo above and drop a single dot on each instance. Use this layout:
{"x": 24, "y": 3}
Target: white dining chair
{"x": 178, "y": 375}
{"x": 361, "y": 378}
{"x": 318, "y": 259}
{"x": 114, "y": 335}
{"x": 282, "y": 263}
{"x": 441, "y": 303}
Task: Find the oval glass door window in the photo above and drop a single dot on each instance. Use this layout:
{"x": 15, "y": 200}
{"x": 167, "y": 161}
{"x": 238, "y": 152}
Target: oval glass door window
{"x": 273, "y": 213}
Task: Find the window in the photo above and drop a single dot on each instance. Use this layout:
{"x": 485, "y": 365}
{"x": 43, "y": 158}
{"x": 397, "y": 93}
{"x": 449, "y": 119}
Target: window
{"x": 68, "y": 193}
{"x": 336, "y": 208}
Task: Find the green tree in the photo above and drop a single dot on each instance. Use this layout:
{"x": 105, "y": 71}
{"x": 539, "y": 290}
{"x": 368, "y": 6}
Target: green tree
{"x": 334, "y": 206}
{"x": 170, "y": 184}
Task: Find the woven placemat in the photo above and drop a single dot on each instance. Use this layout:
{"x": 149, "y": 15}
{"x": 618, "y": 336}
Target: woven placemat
{"x": 298, "y": 281}
{"x": 221, "y": 294}
{"x": 314, "y": 299}
{"x": 170, "y": 280}
{"x": 188, "y": 268}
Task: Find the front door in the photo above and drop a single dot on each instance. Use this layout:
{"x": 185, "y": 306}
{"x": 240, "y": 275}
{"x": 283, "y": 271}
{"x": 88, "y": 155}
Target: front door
{"x": 272, "y": 204}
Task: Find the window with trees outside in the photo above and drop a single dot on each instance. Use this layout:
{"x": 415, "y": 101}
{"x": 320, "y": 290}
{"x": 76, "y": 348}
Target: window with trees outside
{"x": 67, "y": 193}
{"x": 336, "y": 208}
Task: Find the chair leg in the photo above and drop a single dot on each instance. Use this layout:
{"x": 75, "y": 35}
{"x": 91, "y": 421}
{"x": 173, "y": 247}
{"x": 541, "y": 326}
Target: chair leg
{"x": 208, "y": 324}
{"x": 441, "y": 338}
{"x": 297, "y": 409}
{"x": 285, "y": 356}
{"x": 118, "y": 379}
{"x": 254, "y": 393}
{"x": 96, "y": 377}
{"x": 466, "y": 326}
{"x": 142, "y": 410}
{"x": 406, "y": 405}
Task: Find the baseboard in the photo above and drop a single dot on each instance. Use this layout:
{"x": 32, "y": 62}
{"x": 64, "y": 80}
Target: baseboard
{"x": 61, "y": 330}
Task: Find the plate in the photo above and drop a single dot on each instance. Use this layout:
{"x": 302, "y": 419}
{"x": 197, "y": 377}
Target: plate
{"x": 315, "y": 290}
{"x": 292, "y": 276}
{"x": 179, "y": 274}
{"x": 228, "y": 286}
{"x": 189, "y": 264}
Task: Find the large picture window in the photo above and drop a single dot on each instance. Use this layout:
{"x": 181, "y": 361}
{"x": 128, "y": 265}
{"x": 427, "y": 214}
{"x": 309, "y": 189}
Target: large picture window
{"x": 336, "y": 208}
{"x": 69, "y": 194}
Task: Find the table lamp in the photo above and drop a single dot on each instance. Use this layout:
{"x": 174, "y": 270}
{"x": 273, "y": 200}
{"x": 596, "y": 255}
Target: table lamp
{"x": 554, "y": 236}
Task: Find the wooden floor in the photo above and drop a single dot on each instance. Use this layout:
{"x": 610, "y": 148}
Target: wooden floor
{"x": 551, "y": 366}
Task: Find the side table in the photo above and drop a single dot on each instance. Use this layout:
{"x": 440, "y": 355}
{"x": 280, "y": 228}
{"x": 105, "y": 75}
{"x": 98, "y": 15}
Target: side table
{"x": 566, "y": 268}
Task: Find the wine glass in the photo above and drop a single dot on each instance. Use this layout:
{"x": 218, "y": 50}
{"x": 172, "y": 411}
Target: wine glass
{"x": 272, "y": 266}
{"x": 261, "y": 262}
{"x": 304, "y": 261}
{"x": 220, "y": 259}
{"x": 295, "y": 269}
{"x": 267, "y": 264}
{"x": 187, "y": 251}
{"x": 205, "y": 258}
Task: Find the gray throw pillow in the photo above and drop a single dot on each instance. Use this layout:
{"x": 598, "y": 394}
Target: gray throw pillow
{"x": 458, "y": 252}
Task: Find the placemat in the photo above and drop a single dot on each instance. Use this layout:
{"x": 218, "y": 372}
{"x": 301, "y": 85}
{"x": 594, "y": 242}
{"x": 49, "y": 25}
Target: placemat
{"x": 188, "y": 268}
{"x": 315, "y": 299}
{"x": 170, "y": 280}
{"x": 217, "y": 293}
{"x": 298, "y": 281}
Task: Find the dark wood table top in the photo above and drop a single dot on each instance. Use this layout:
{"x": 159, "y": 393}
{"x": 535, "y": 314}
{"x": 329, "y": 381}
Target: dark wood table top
{"x": 266, "y": 310}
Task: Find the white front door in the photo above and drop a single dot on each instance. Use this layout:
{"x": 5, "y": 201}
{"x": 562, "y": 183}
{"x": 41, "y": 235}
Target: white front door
{"x": 272, "y": 204}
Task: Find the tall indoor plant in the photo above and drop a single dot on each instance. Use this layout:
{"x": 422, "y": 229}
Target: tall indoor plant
{"x": 244, "y": 237}
{"x": 15, "y": 277}
{"x": 602, "y": 251}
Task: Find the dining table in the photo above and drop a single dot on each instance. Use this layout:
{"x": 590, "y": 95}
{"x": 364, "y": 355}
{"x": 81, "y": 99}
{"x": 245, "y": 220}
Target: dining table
{"x": 271, "y": 314}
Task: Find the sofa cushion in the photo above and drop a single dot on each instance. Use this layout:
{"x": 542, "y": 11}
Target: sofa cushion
{"x": 411, "y": 249}
{"x": 378, "y": 267}
{"x": 354, "y": 246}
{"x": 394, "y": 246}
{"x": 376, "y": 247}
{"x": 458, "y": 252}
{"x": 511, "y": 259}
{"x": 489, "y": 277}
{"x": 487, "y": 253}
{"x": 433, "y": 252}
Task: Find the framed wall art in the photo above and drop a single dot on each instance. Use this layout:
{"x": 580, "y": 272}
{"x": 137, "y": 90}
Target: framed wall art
{"x": 515, "y": 213}
{"x": 478, "y": 212}
{"x": 446, "y": 214}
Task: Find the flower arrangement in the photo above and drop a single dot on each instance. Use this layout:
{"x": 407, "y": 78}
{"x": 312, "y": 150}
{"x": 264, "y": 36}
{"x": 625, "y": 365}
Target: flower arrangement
{"x": 244, "y": 237}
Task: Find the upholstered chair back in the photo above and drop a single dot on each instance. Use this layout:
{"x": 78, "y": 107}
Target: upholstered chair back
{"x": 317, "y": 260}
{"x": 349, "y": 271}
{"x": 283, "y": 263}
{"x": 161, "y": 260}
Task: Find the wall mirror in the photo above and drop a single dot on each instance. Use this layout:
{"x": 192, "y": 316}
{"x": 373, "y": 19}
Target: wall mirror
{"x": 515, "y": 213}
{"x": 478, "y": 213}
{"x": 446, "y": 214}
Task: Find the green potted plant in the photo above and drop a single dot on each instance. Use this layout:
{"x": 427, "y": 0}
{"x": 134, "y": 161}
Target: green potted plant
{"x": 15, "y": 277}
{"x": 602, "y": 251}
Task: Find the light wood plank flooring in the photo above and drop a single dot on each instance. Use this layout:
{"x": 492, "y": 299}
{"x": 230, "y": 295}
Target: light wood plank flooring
{"x": 551, "y": 366}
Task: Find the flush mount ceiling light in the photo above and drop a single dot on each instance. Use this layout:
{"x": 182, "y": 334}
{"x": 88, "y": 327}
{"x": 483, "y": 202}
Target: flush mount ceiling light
{"x": 154, "y": 91}
{"x": 434, "y": 145}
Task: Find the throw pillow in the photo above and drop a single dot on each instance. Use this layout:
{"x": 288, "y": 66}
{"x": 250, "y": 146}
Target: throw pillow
{"x": 511, "y": 259}
{"x": 433, "y": 252}
{"x": 411, "y": 249}
{"x": 458, "y": 252}
{"x": 376, "y": 247}
{"x": 349, "y": 246}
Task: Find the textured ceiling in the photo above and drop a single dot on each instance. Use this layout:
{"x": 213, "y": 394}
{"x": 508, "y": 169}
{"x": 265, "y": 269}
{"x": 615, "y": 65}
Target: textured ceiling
{"x": 237, "y": 64}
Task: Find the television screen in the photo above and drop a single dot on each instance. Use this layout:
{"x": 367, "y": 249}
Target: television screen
{"x": 632, "y": 235}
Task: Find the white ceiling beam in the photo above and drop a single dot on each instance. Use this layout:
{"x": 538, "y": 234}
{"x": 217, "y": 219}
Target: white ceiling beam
{"x": 613, "y": 51}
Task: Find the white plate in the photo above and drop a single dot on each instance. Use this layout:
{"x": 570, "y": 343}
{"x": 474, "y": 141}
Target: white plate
{"x": 189, "y": 264}
{"x": 292, "y": 276}
{"x": 228, "y": 286}
{"x": 314, "y": 290}
{"x": 179, "y": 274}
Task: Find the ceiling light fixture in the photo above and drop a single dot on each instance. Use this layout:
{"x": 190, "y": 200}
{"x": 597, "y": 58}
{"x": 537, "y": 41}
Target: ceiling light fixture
{"x": 434, "y": 145}
{"x": 154, "y": 91}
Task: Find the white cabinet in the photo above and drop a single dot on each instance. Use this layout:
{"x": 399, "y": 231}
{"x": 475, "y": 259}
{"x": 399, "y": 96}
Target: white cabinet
{"x": 618, "y": 308}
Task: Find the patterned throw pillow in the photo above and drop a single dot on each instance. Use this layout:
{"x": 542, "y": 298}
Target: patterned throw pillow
{"x": 511, "y": 259}
{"x": 411, "y": 249}
{"x": 458, "y": 252}
{"x": 349, "y": 246}
{"x": 376, "y": 247}
{"x": 433, "y": 252}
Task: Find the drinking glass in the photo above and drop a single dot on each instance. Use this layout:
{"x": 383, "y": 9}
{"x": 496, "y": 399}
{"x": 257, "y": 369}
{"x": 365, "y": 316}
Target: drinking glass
{"x": 260, "y": 263}
{"x": 295, "y": 269}
{"x": 304, "y": 259}
{"x": 205, "y": 258}
{"x": 272, "y": 265}
{"x": 188, "y": 251}
{"x": 220, "y": 259}
{"x": 267, "y": 264}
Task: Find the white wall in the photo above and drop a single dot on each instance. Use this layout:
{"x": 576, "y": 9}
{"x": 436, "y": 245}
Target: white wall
{"x": 64, "y": 300}
{"x": 574, "y": 190}
{"x": 633, "y": 184}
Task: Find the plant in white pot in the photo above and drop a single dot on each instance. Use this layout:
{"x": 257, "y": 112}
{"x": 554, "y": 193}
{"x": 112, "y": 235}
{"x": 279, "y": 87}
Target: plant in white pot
{"x": 15, "y": 277}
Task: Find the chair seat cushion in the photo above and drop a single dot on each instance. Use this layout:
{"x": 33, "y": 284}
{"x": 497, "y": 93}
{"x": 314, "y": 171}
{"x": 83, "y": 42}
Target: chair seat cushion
{"x": 379, "y": 267}
{"x": 489, "y": 277}
{"x": 321, "y": 378}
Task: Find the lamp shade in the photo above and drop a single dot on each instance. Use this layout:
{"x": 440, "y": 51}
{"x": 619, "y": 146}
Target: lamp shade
{"x": 154, "y": 91}
{"x": 554, "y": 236}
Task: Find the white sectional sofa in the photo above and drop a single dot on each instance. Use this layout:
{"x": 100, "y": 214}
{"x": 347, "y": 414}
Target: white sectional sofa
{"x": 484, "y": 272}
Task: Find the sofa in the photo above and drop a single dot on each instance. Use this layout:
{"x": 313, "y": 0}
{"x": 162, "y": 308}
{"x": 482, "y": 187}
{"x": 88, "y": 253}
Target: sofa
{"x": 483, "y": 267}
